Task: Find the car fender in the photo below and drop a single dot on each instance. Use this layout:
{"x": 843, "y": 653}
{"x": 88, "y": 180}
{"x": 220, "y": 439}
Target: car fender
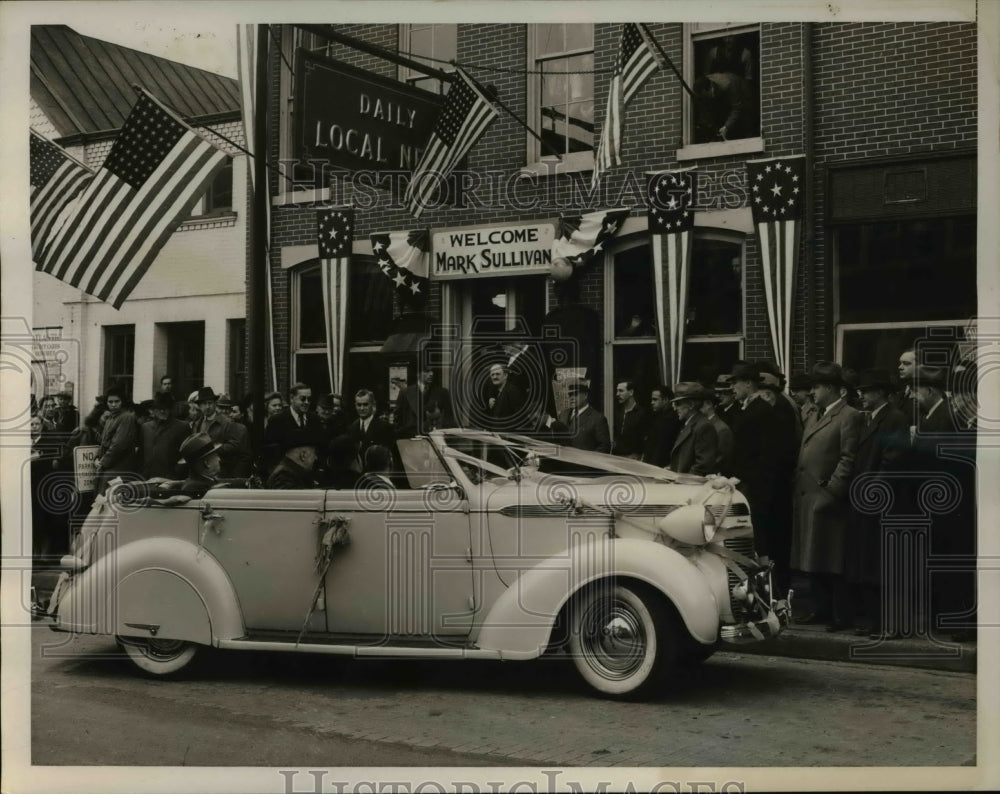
{"x": 520, "y": 622}
{"x": 164, "y": 587}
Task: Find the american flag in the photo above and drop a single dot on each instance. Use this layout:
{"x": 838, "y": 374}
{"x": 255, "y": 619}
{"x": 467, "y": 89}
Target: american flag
{"x": 635, "y": 63}
{"x": 464, "y": 117}
{"x": 105, "y": 240}
{"x": 776, "y": 189}
{"x": 56, "y": 179}
{"x": 671, "y": 196}
{"x": 583, "y": 237}
{"x": 404, "y": 258}
{"x": 335, "y": 237}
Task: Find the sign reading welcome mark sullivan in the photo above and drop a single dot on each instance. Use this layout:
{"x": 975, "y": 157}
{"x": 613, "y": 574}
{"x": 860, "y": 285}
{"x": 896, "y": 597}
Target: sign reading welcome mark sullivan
{"x": 492, "y": 251}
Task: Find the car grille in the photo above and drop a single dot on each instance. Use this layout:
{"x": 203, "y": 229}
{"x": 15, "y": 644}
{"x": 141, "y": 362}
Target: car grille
{"x": 734, "y": 510}
{"x": 742, "y": 546}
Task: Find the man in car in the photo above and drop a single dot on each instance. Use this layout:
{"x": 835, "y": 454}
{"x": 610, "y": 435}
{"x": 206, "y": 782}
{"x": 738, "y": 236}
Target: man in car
{"x": 378, "y": 467}
{"x": 295, "y": 469}
{"x": 161, "y": 439}
{"x": 200, "y": 454}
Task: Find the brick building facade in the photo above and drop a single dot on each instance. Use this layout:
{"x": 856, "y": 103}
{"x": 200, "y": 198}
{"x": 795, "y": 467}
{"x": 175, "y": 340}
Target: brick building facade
{"x": 885, "y": 115}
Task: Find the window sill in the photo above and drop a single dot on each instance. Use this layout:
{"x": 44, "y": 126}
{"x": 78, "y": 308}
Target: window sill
{"x": 698, "y": 151}
{"x": 213, "y": 221}
{"x": 550, "y": 166}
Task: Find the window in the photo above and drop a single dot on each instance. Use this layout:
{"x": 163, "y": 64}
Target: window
{"x": 561, "y": 94}
{"x": 119, "y": 357}
{"x": 887, "y": 271}
{"x": 631, "y": 326}
{"x": 218, "y": 199}
{"x": 423, "y": 42}
{"x": 308, "y": 328}
{"x": 369, "y": 317}
{"x": 237, "y": 380}
{"x": 713, "y": 327}
{"x": 723, "y": 70}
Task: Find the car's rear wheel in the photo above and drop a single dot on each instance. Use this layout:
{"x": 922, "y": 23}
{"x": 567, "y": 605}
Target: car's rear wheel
{"x": 622, "y": 639}
{"x": 158, "y": 657}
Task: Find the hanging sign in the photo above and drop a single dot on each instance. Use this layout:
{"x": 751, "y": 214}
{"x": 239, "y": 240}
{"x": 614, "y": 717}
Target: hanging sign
{"x": 492, "y": 251}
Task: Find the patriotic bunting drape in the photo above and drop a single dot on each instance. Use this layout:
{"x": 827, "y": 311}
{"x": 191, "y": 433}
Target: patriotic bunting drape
{"x": 633, "y": 66}
{"x": 56, "y": 179}
{"x": 582, "y": 237}
{"x": 776, "y": 188}
{"x": 404, "y": 257}
{"x": 106, "y": 238}
{"x": 335, "y": 235}
{"x": 246, "y": 64}
{"x": 671, "y": 196}
{"x": 464, "y": 117}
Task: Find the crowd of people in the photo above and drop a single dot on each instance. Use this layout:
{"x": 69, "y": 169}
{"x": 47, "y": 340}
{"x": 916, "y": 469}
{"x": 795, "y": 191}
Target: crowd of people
{"x": 810, "y": 455}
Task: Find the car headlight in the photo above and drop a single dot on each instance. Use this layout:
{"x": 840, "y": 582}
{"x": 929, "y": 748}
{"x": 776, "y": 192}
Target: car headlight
{"x": 691, "y": 524}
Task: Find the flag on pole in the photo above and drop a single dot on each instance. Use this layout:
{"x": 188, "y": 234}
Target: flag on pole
{"x": 777, "y": 189}
{"x": 671, "y": 196}
{"x": 56, "y": 179}
{"x": 582, "y": 237}
{"x": 465, "y": 115}
{"x": 404, "y": 257}
{"x": 246, "y": 66}
{"x": 335, "y": 236}
{"x": 633, "y": 66}
{"x": 106, "y": 238}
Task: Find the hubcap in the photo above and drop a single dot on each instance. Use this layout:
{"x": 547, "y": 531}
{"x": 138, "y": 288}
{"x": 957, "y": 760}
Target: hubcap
{"x": 613, "y": 639}
{"x": 163, "y": 649}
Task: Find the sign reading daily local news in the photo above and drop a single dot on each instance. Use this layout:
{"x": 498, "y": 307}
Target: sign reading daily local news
{"x": 492, "y": 251}
{"x": 85, "y": 467}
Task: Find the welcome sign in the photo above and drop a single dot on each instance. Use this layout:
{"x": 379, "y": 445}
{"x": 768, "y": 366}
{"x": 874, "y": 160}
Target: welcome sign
{"x": 492, "y": 251}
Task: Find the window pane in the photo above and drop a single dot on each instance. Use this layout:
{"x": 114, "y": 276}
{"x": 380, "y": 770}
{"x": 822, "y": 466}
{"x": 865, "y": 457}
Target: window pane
{"x": 549, "y": 39}
{"x": 312, "y": 330}
{"x": 579, "y": 37}
{"x": 445, "y": 41}
{"x": 313, "y": 370}
{"x": 707, "y": 360}
{"x": 639, "y": 364}
{"x": 421, "y": 41}
{"x": 726, "y": 87}
{"x": 581, "y": 86}
{"x": 554, "y": 86}
{"x": 888, "y": 271}
{"x": 635, "y": 310}
{"x": 715, "y": 295}
{"x": 370, "y": 301}
{"x": 580, "y": 126}
{"x": 880, "y": 347}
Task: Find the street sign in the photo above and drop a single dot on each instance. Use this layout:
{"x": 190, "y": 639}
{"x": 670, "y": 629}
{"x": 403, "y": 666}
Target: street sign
{"x": 85, "y": 467}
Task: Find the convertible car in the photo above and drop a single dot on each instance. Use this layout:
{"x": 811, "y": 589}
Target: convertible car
{"x": 485, "y": 546}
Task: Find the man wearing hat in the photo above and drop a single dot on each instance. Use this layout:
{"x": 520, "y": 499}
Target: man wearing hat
{"x": 584, "y": 426}
{"x": 295, "y": 469}
{"x": 232, "y": 437}
{"x": 753, "y": 463}
{"x": 201, "y": 456}
{"x": 723, "y": 433}
{"x": 161, "y": 438}
{"x": 67, "y": 417}
{"x": 882, "y": 444}
{"x": 799, "y": 389}
{"x": 822, "y": 495}
{"x": 726, "y": 405}
{"x": 696, "y": 449}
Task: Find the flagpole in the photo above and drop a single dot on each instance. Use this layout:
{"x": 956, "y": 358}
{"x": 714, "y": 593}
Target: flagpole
{"x": 650, "y": 37}
{"x": 259, "y": 270}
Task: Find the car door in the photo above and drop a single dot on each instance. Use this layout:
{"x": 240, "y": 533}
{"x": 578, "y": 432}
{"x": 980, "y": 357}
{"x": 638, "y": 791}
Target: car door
{"x": 407, "y": 570}
{"x": 267, "y": 542}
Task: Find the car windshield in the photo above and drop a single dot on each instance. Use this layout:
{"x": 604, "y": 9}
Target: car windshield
{"x": 421, "y": 463}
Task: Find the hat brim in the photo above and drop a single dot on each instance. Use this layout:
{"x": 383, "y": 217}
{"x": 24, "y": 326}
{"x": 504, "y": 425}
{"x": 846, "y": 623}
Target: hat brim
{"x": 203, "y": 454}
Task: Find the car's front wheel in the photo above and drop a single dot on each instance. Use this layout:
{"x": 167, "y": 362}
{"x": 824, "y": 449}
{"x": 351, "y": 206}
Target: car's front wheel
{"x": 158, "y": 657}
{"x": 622, "y": 640}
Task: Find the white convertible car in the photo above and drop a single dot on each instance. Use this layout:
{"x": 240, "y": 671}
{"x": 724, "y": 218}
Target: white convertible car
{"x": 489, "y": 547}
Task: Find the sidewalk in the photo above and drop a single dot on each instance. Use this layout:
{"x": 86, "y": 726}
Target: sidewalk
{"x": 811, "y": 641}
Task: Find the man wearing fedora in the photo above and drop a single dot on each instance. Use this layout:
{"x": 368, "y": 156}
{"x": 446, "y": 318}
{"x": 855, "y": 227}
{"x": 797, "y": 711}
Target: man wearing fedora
{"x": 295, "y": 469}
{"x": 582, "y": 425}
{"x": 882, "y": 445}
{"x": 726, "y": 405}
{"x": 232, "y": 437}
{"x": 723, "y": 433}
{"x": 753, "y": 462}
{"x": 799, "y": 389}
{"x": 822, "y": 495}
{"x": 161, "y": 438}
{"x": 201, "y": 456}
{"x": 696, "y": 449}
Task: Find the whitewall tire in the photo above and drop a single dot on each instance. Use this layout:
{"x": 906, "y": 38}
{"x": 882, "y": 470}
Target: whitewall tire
{"x": 158, "y": 657}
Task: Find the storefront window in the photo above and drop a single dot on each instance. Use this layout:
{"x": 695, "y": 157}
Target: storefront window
{"x": 561, "y": 59}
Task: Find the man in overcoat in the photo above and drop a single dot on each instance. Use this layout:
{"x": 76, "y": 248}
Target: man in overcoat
{"x": 582, "y": 426}
{"x": 753, "y": 458}
{"x": 161, "y": 439}
{"x": 232, "y": 437}
{"x": 422, "y": 406}
{"x": 295, "y": 469}
{"x": 822, "y": 495}
{"x": 696, "y": 449}
{"x": 882, "y": 443}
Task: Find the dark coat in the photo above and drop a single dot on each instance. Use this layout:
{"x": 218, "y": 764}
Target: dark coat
{"x": 118, "y": 448}
{"x": 630, "y": 432}
{"x": 882, "y": 445}
{"x": 696, "y": 449}
{"x": 724, "y": 434}
{"x": 588, "y": 431}
{"x": 821, "y": 499}
{"x": 508, "y": 404}
{"x": 753, "y": 461}
{"x": 160, "y": 446}
{"x": 663, "y": 431}
{"x": 379, "y": 432}
{"x": 234, "y": 452}
{"x": 413, "y": 407}
{"x": 276, "y": 431}
{"x": 289, "y": 475}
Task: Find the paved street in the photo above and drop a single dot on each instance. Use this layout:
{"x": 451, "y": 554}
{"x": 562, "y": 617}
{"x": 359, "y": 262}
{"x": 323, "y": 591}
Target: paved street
{"x": 282, "y": 709}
